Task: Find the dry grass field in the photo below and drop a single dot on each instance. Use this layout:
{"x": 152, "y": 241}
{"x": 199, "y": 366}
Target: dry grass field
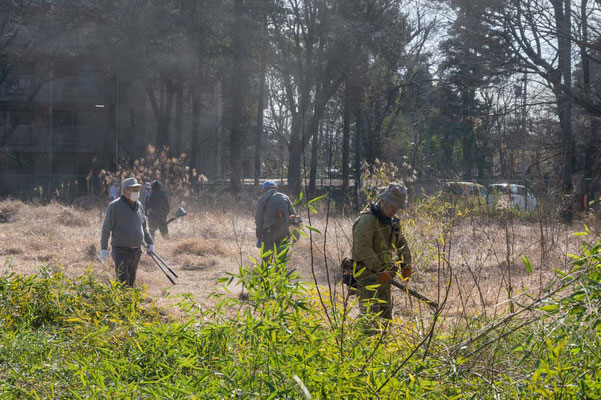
{"x": 481, "y": 258}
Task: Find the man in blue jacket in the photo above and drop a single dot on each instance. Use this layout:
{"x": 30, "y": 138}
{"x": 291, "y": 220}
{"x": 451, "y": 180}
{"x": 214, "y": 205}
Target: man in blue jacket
{"x": 273, "y": 217}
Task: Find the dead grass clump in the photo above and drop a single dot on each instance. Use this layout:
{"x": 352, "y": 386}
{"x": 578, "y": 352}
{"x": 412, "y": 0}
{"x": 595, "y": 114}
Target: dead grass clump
{"x": 87, "y": 203}
{"x": 195, "y": 265}
{"x": 8, "y": 210}
{"x": 200, "y": 247}
{"x": 70, "y": 218}
{"x": 42, "y": 230}
{"x": 91, "y": 252}
{"x": 10, "y": 251}
{"x": 37, "y": 245}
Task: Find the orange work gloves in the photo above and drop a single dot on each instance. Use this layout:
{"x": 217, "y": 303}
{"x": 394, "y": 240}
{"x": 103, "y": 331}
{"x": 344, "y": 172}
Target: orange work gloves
{"x": 384, "y": 277}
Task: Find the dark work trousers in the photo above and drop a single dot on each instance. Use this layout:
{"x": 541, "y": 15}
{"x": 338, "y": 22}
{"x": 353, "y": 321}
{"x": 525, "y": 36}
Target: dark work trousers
{"x": 160, "y": 224}
{"x": 275, "y": 236}
{"x": 126, "y": 263}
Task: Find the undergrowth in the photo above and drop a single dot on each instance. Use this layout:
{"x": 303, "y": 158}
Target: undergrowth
{"x": 63, "y": 337}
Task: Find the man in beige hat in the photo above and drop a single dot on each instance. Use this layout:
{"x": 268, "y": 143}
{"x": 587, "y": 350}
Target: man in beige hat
{"x": 380, "y": 247}
{"x": 126, "y": 223}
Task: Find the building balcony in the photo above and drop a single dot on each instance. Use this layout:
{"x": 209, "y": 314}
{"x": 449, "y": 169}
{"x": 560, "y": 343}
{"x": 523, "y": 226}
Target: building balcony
{"x": 18, "y": 88}
{"x": 24, "y": 134}
{"x": 76, "y": 139}
{"x": 35, "y": 139}
{"x": 26, "y": 138}
{"x": 87, "y": 89}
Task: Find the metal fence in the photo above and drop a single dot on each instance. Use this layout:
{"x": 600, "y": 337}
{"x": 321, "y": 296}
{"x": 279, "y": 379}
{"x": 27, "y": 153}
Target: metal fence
{"x": 48, "y": 187}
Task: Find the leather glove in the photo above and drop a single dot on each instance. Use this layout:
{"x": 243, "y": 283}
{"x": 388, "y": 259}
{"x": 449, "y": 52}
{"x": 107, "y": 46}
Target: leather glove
{"x": 104, "y": 255}
{"x": 258, "y": 243}
{"x": 406, "y": 273}
{"x": 384, "y": 277}
{"x": 151, "y": 248}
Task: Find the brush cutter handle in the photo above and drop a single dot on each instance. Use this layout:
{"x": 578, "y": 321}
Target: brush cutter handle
{"x": 178, "y": 214}
{"x": 415, "y": 294}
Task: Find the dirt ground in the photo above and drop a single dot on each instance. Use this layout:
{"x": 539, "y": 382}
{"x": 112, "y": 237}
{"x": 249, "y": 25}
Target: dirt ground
{"x": 481, "y": 258}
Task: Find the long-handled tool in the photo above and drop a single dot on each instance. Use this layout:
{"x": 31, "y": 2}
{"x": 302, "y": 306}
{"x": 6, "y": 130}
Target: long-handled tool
{"x": 415, "y": 294}
{"x": 164, "y": 263}
{"x": 156, "y": 259}
{"x": 178, "y": 214}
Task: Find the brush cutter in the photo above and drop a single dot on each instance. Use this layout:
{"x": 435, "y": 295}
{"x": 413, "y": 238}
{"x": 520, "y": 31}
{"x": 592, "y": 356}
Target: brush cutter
{"x": 415, "y": 294}
{"x": 160, "y": 263}
{"x": 178, "y": 214}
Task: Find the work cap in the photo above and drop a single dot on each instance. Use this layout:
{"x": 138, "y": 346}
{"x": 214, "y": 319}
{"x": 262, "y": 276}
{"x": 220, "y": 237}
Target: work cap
{"x": 130, "y": 182}
{"x": 395, "y": 194}
{"x": 268, "y": 184}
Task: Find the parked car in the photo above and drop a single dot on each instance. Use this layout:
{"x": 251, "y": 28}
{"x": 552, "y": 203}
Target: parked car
{"x": 469, "y": 194}
{"x": 509, "y": 195}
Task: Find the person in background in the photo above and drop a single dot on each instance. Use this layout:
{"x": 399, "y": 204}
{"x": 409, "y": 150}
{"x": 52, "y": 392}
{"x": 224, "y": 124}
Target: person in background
{"x": 113, "y": 191}
{"x": 144, "y": 193}
{"x": 125, "y": 225}
{"x": 273, "y": 217}
{"x": 157, "y": 209}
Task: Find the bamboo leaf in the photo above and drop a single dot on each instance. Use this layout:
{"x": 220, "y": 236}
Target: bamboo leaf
{"x": 526, "y": 262}
{"x": 317, "y": 199}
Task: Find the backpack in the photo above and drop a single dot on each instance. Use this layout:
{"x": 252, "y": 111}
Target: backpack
{"x": 348, "y": 278}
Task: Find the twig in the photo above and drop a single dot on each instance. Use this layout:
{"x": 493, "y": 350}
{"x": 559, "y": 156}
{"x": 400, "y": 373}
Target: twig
{"x": 526, "y": 308}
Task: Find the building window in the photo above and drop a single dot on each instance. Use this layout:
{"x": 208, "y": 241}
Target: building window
{"x": 72, "y": 119}
{"x": 72, "y": 87}
{"x": 16, "y": 117}
{"x": 8, "y": 163}
{"x": 16, "y": 162}
{"x": 20, "y": 85}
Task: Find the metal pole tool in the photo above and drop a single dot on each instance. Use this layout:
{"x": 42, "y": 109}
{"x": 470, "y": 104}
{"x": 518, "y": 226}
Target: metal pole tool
{"x": 162, "y": 266}
{"x": 415, "y": 294}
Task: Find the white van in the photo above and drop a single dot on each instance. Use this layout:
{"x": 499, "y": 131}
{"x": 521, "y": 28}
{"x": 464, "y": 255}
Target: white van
{"x": 508, "y": 195}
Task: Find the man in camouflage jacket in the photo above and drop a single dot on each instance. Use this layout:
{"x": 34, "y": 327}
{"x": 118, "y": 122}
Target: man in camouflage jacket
{"x": 380, "y": 247}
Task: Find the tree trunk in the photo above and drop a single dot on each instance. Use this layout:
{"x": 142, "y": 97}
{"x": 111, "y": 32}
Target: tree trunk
{"x": 346, "y": 136}
{"x": 179, "y": 114}
{"x": 562, "y": 9}
{"x": 162, "y": 110}
{"x": 237, "y": 99}
{"x": 358, "y": 153}
{"x": 314, "y": 156}
{"x": 261, "y": 106}
{"x": 195, "y": 128}
{"x": 294, "y": 164}
{"x": 565, "y": 103}
{"x": 197, "y": 24}
{"x": 586, "y": 83}
{"x": 296, "y": 147}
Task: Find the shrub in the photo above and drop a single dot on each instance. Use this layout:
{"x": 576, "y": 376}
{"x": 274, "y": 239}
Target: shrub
{"x": 72, "y": 338}
{"x": 173, "y": 172}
